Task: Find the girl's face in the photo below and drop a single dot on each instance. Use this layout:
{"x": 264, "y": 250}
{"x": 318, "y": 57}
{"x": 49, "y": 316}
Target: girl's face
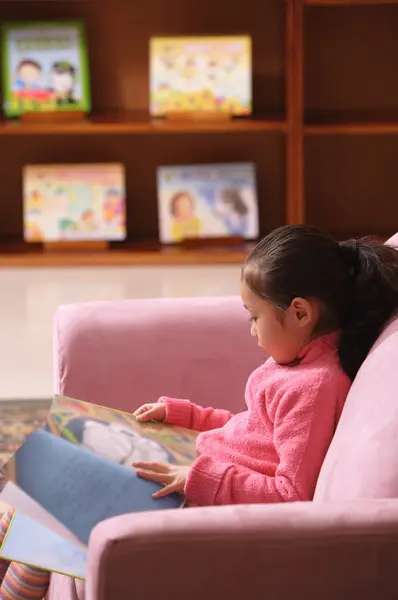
{"x": 184, "y": 208}
{"x": 280, "y": 333}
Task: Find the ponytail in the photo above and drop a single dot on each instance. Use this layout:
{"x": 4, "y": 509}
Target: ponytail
{"x": 372, "y": 298}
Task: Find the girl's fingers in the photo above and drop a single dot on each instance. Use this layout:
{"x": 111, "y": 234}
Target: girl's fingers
{"x": 146, "y": 415}
{"x": 166, "y": 491}
{"x": 156, "y": 467}
{"x": 140, "y": 410}
{"x": 143, "y": 412}
{"x": 157, "y": 477}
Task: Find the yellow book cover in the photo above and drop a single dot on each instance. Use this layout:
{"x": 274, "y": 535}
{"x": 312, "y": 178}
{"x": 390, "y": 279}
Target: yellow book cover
{"x": 195, "y": 74}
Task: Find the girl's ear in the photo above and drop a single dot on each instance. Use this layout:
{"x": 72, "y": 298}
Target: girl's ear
{"x": 303, "y": 311}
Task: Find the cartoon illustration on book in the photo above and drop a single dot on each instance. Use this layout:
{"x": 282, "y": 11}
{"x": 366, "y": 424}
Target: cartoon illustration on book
{"x": 185, "y": 223}
{"x": 117, "y": 436}
{"x": 206, "y": 201}
{"x": 114, "y": 441}
{"x": 74, "y": 202}
{"x": 200, "y": 74}
{"x": 44, "y": 67}
{"x": 63, "y": 76}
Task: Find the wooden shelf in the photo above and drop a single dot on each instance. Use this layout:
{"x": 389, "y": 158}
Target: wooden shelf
{"x": 351, "y": 123}
{"x": 350, "y": 128}
{"x": 347, "y": 2}
{"x": 142, "y": 256}
{"x": 141, "y": 123}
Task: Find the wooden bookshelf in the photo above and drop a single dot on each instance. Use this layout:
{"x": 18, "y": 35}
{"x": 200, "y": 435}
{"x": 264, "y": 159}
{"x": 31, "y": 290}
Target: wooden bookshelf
{"x": 136, "y": 123}
{"x": 323, "y": 136}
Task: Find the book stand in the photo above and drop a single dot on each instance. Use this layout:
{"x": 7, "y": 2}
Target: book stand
{"x": 78, "y": 246}
{"x": 199, "y": 115}
{"x": 53, "y": 116}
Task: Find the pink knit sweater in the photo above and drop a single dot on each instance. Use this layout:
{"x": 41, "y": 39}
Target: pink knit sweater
{"x": 274, "y": 450}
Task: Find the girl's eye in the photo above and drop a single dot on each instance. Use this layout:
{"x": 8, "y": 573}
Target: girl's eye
{"x": 252, "y": 319}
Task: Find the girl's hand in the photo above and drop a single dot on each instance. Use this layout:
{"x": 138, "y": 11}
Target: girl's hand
{"x": 173, "y": 477}
{"x": 150, "y": 412}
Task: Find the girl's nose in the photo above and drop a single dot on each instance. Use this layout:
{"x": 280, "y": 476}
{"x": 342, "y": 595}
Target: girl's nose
{"x": 253, "y": 330}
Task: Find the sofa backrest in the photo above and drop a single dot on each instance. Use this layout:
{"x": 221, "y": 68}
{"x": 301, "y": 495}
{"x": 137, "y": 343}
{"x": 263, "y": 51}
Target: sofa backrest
{"x": 125, "y": 353}
{"x": 362, "y": 461}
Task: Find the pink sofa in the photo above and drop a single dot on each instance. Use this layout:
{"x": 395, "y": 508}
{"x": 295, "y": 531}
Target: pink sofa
{"x": 342, "y": 546}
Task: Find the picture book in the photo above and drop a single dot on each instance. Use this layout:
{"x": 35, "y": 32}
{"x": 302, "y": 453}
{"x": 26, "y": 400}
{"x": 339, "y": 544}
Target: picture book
{"x": 74, "y": 202}
{"x": 207, "y": 201}
{"x": 45, "y": 67}
{"x": 195, "y": 74}
{"x": 77, "y": 472}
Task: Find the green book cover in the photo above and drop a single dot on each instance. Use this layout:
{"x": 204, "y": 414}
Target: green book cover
{"x": 45, "y": 67}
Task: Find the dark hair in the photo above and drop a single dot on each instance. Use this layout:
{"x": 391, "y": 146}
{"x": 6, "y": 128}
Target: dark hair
{"x": 233, "y": 197}
{"x": 356, "y": 281}
{"x": 27, "y": 62}
{"x": 175, "y": 199}
{"x": 63, "y": 67}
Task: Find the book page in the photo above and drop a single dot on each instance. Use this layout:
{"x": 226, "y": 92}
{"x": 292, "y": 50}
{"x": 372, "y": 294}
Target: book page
{"x": 14, "y": 496}
{"x": 33, "y": 544}
{"x": 118, "y": 436}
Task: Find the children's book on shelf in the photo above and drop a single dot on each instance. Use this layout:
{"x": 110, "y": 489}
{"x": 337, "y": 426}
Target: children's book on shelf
{"x": 74, "y": 202}
{"x": 207, "y": 201}
{"x": 196, "y": 74}
{"x": 77, "y": 472}
{"x": 45, "y": 67}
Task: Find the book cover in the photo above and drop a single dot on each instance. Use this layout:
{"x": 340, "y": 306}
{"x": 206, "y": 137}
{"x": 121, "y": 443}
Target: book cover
{"x": 191, "y": 74}
{"x": 45, "y": 67}
{"x": 74, "y": 202}
{"x": 205, "y": 201}
{"x": 76, "y": 473}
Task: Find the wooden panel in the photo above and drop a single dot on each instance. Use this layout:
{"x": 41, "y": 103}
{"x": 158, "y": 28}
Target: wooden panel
{"x": 352, "y": 184}
{"x": 351, "y": 61}
{"x": 119, "y": 33}
{"x": 142, "y": 155}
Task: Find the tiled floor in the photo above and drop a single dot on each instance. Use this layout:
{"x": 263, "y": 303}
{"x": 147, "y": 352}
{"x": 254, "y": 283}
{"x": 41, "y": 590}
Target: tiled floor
{"x": 28, "y": 299}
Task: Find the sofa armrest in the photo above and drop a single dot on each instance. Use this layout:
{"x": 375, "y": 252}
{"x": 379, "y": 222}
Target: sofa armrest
{"x": 125, "y": 353}
{"x": 301, "y": 551}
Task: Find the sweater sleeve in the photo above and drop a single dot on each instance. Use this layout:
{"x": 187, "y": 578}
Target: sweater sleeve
{"x": 184, "y": 413}
{"x": 303, "y": 429}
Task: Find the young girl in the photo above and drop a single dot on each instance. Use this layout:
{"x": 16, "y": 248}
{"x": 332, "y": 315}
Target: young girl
{"x": 316, "y": 306}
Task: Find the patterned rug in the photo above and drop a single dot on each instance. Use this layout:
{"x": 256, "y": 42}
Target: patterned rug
{"x": 19, "y": 418}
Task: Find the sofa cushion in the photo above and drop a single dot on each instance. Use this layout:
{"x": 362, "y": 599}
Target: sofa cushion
{"x": 393, "y": 241}
{"x": 362, "y": 461}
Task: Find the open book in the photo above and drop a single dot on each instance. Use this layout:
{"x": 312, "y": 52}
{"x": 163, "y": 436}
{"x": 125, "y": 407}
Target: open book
{"x": 77, "y": 472}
